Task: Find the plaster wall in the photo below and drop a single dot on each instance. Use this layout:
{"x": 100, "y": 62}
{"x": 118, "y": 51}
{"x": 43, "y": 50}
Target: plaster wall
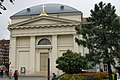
{"x": 43, "y": 31}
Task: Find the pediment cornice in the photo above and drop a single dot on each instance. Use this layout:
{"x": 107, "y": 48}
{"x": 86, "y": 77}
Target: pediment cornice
{"x": 43, "y": 26}
{"x": 50, "y": 18}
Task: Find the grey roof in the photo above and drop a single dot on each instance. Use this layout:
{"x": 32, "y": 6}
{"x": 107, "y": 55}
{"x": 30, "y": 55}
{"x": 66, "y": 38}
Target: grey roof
{"x": 50, "y": 9}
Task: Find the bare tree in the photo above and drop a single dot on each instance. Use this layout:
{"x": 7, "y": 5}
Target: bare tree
{"x": 2, "y": 6}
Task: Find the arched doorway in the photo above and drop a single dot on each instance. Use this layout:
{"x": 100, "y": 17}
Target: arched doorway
{"x": 44, "y": 46}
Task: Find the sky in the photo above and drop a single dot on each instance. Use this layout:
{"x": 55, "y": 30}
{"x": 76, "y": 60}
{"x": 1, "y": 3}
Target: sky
{"x": 82, "y": 5}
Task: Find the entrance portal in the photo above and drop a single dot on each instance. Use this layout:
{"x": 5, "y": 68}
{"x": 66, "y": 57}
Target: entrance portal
{"x": 43, "y": 61}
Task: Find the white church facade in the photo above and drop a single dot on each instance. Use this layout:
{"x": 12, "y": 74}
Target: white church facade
{"x": 35, "y": 38}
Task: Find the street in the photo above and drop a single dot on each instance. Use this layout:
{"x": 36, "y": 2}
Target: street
{"x": 25, "y": 78}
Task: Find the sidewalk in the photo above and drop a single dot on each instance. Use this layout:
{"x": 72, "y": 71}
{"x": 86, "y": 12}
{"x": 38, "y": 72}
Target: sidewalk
{"x": 25, "y": 78}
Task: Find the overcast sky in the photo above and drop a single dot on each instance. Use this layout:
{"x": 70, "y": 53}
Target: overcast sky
{"x": 83, "y": 5}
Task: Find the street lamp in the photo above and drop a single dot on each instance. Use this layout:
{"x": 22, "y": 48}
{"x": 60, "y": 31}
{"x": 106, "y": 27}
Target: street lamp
{"x": 9, "y": 66}
{"x": 48, "y": 64}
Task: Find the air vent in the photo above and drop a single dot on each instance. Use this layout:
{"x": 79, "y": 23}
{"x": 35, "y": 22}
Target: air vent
{"x": 28, "y": 9}
{"x": 61, "y": 7}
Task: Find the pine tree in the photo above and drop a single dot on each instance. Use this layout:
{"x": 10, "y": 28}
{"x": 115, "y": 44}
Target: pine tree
{"x": 101, "y": 35}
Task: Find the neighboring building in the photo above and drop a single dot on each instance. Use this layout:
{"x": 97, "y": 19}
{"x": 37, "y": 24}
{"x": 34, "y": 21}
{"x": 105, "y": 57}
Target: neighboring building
{"x": 36, "y": 37}
{"x": 4, "y": 52}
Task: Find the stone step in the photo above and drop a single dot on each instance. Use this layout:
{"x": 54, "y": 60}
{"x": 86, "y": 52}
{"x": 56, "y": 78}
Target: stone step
{"x": 41, "y": 74}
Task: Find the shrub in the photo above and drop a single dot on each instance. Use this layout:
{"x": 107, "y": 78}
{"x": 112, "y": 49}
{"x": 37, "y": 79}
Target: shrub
{"x": 85, "y": 76}
{"x": 71, "y": 62}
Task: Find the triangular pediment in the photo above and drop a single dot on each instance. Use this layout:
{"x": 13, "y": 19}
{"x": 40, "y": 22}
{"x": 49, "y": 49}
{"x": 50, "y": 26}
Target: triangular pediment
{"x": 45, "y": 20}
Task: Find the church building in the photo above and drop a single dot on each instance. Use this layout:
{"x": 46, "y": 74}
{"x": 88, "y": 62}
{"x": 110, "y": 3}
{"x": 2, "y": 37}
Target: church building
{"x": 41, "y": 32}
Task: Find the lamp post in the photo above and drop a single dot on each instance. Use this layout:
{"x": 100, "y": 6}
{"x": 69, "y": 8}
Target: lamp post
{"x": 48, "y": 64}
{"x": 9, "y": 65}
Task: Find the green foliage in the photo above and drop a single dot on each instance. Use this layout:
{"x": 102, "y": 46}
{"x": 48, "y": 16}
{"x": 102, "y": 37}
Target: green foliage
{"x": 72, "y": 77}
{"x": 71, "y": 62}
{"x": 102, "y": 34}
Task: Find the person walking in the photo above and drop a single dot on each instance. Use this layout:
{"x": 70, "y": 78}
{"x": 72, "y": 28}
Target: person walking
{"x": 16, "y": 75}
{"x": 1, "y": 73}
{"x": 10, "y": 74}
{"x": 54, "y": 77}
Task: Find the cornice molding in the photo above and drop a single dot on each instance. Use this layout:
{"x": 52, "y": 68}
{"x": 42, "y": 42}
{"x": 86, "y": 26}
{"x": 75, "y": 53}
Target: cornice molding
{"x": 44, "y": 33}
{"x": 42, "y": 18}
{"x": 43, "y": 26}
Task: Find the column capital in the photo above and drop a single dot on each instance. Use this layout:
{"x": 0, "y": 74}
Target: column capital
{"x": 13, "y": 37}
{"x": 54, "y": 35}
{"x": 32, "y": 35}
{"x": 75, "y": 35}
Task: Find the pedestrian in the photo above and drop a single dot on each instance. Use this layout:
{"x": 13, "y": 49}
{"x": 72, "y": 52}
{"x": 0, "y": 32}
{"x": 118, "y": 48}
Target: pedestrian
{"x": 7, "y": 72}
{"x": 101, "y": 70}
{"x": 10, "y": 74}
{"x": 117, "y": 76}
{"x": 16, "y": 75}
{"x": 54, "y": 77}
{"x": 1, "y": 73}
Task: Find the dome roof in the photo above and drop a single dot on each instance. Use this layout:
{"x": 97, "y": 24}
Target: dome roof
{"x": 50, "y": 9}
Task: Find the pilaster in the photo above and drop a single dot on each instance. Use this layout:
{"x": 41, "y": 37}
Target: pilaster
{"x": 54, "y": 53}
{"x": 81, "y": 47}
{"x": 75, "y": 45}
{"x": 12, "y": 53}
{"x": 32, "y": 54}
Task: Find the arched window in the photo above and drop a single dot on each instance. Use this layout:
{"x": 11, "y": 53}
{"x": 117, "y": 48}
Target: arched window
{"x": 44, "y": 41}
